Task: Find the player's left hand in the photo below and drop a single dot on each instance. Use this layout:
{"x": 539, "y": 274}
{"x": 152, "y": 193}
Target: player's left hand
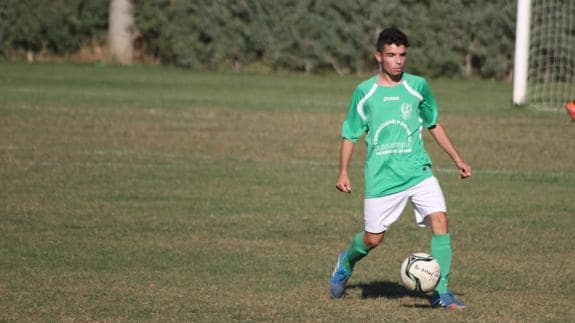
{"x": 464, "y": 169}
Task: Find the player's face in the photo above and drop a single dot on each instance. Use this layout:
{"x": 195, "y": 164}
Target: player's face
{"x": 392, "y": 59}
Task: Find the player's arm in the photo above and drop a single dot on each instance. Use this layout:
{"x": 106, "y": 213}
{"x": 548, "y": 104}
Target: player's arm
{"x": 440, "y": 136}
{"x": 346, "y": 151}
{"x": 354, "y": 126}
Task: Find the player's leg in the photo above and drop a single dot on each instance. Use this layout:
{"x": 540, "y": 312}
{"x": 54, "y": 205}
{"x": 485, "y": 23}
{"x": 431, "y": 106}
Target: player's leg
{"x": 356, "y": 251}
{"x": 429, "y": 205}
{"x": 379, "y": 214}
{"x": 345, "y": 263}
{"x": 441, "y": 247}
{"x": 441, "y": 250}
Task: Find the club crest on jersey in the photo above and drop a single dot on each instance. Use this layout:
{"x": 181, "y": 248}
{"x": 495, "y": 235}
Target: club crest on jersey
{"x": 406, "y": 110}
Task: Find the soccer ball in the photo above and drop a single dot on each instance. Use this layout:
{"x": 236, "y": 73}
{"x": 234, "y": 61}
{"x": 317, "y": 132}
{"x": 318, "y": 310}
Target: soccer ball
{"x": 420, "y": 272}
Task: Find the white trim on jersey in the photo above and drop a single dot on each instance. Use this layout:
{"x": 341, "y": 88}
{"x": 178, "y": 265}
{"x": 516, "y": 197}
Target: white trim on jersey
{"x": 412, "y": 91}
{"x": 362, "y": 101}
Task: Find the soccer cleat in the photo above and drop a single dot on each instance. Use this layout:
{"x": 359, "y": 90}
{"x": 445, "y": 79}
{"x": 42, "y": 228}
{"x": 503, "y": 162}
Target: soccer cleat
{"x": 446, "y": 300}
{"x": 339, "y": 277}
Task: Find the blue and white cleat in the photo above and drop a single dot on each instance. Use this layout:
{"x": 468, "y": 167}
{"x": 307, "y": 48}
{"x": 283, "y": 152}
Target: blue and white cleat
{"x": 446, "y": 300}
{"x": 339, "y": 278}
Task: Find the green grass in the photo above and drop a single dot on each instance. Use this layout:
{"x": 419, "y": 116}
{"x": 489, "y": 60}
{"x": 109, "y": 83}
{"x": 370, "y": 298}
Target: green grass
{"x": 156, "y": 194}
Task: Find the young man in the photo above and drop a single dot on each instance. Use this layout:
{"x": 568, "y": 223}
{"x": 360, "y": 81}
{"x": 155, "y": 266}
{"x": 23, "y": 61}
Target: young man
{"x": 392, "y": 108}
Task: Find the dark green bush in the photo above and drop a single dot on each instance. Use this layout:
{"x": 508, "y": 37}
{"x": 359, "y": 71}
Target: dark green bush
{"x": 449, "y": 38}
{"x": 56, "y": 26}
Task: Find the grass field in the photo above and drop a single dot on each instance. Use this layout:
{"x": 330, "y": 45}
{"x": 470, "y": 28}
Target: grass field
{"x": 154, "y": 194}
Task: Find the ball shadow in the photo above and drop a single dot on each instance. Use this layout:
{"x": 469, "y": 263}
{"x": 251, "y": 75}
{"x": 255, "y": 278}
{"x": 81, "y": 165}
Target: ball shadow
{"x": 385, "y": 289}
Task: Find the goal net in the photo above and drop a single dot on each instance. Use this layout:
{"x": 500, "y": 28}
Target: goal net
{"x": 551, "y": 71}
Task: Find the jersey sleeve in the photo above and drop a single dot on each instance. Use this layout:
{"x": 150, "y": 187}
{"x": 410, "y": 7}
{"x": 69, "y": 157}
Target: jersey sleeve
{"x": 428, "y": 108}
{"x": 354, "y": 125}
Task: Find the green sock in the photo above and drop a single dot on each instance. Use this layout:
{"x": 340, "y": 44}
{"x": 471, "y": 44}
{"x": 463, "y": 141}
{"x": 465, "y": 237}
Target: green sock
{"x": 441, "y": 250}
{"x": 356, "y": 252}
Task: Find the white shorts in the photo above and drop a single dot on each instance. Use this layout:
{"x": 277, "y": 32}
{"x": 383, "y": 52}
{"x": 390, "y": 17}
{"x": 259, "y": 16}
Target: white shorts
{"x": 381, "y": 212}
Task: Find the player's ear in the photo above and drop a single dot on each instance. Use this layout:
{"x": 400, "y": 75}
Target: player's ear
{"x": 378, "y": 56}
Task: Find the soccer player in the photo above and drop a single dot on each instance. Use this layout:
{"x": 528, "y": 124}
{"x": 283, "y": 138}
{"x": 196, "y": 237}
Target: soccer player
{"x": 391, "y": 109}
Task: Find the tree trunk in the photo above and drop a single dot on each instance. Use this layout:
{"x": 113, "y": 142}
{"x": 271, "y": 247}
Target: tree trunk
{"x": 468, "y": 65}
{"x": 120, "y": 31}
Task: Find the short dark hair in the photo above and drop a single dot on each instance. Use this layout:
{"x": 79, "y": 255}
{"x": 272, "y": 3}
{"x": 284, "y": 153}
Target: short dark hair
{"x": 391, "y": 35}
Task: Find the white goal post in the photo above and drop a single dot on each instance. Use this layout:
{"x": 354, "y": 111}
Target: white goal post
{"x": 544, "y": 65}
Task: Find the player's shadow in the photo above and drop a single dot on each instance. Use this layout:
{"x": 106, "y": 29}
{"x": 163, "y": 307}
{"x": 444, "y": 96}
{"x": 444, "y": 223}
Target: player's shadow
{"x": 386, "y": 289}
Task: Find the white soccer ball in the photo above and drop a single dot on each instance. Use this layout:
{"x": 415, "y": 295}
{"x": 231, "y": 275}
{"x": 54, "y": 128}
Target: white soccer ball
{"x": 420, "y": 272}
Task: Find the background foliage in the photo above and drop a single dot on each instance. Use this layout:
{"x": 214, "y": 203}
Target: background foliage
{"x": 59, "y": 27}
{"x": 449, "y": 38}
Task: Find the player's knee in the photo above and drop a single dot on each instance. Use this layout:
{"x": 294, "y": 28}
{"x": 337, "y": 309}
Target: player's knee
{"x": 373, "y": 240}
{"x": 438, "y": 222}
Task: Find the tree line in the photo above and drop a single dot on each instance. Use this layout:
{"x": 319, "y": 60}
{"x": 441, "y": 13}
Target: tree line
{"x": 449, "y": 38}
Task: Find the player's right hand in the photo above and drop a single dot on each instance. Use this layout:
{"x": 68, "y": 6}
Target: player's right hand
{"x": 343, "y": 184}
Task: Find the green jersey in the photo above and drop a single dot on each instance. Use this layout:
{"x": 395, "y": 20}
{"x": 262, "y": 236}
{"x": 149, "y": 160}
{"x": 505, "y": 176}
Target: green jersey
{"x": 393, "y": 119}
